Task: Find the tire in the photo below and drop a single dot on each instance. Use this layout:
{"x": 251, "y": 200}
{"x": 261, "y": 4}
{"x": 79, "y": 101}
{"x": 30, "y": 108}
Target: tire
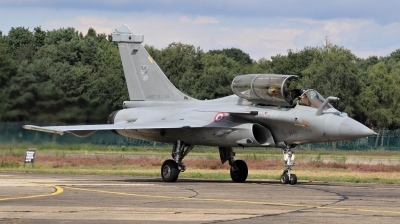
{"x": 284, "y": 179}
{"x": 169, "y": 171}
{"x": 241, "y": 172}
{"x": 293, "y": 179}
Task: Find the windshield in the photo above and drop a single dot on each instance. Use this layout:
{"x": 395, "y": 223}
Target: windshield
{"x": 312, "y": 98}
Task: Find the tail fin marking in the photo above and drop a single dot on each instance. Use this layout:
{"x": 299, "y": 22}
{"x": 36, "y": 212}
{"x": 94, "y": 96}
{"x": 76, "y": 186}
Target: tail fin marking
{"x": 145, "y": 80}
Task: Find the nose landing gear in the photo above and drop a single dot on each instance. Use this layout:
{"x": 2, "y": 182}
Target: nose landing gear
{"x": 288, "y": 157}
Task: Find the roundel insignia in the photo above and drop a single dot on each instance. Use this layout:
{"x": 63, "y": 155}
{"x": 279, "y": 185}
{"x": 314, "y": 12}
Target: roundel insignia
{"x": 219, "y": 117}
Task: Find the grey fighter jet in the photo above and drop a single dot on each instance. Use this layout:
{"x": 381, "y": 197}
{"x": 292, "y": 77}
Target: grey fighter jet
{"x": 262, "y": 112}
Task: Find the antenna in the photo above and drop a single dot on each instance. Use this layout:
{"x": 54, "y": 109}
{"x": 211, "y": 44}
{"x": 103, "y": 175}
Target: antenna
{"x": 327, "y": 41}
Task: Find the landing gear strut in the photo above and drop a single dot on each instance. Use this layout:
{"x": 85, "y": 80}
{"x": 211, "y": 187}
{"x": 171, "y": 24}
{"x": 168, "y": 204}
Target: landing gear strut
{"x": 288, "y": 157}
{"x": 171, "y": 168}
{"x": 239, "y": 170}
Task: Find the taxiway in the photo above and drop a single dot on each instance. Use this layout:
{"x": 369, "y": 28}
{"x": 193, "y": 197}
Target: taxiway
{"x": 61, "y": 198}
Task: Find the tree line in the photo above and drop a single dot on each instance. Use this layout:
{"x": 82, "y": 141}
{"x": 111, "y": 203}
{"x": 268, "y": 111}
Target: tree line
{"x": 65, "y": 76}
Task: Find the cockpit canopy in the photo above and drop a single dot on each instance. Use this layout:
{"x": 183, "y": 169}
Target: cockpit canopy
{"x": 266, "y": 89}
{"x": 312, "y": 98}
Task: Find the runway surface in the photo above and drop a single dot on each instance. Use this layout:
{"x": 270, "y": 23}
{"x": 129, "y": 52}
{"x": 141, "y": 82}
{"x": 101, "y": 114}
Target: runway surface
{"x": 60, "y": 198}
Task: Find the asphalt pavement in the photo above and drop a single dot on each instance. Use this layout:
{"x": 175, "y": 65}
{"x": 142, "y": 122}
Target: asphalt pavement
{"x": 65, "y": 198}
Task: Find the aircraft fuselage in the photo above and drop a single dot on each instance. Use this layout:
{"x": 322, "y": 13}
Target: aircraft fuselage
{"x": 298, "y": 125}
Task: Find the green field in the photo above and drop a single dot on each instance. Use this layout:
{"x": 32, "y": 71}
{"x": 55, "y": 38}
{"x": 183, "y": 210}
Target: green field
{"x": 373, "y": 166}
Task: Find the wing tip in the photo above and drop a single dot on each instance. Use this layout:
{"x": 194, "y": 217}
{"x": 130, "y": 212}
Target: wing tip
{"x": 37, "y": 128}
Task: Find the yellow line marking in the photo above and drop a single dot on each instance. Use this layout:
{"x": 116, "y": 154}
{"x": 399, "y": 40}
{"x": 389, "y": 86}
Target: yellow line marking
{"x": 151, "y": 60}
{"x": 237, "y": 201}
{"x": 58, "y": 191}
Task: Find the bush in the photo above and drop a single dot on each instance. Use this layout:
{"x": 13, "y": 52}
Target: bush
{"x": 9, "y": 164}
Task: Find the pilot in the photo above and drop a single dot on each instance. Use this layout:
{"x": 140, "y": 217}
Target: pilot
{"x": 272, "y": 91}
{"x": 304, "y": 100}
{"x": 294, "y": 102}
{"x": 293, "y": 96}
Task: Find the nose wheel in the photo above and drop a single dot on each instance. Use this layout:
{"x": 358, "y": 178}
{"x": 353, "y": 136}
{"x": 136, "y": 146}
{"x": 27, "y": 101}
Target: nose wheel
{"x": 285, "y": 179}
{"x": 293, "y": 179}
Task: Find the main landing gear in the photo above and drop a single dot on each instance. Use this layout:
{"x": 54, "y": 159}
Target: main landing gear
{"x": 239, "y": 170}
{"x": 171, "y": 168}
{"x": 288, "y": 157}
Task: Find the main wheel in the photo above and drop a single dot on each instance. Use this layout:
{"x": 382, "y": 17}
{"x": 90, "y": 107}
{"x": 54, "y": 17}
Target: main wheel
{"x": 169, "y": 171}
{"x": 239, "y": 171}
{"x": 284, "y": 178}
{"x": 293, "y": 179}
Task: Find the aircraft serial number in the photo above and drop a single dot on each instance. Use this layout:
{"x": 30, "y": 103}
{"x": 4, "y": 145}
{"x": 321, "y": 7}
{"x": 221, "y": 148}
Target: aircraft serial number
{"x": 289, "y": 133}
{"x": 157, "y": 97}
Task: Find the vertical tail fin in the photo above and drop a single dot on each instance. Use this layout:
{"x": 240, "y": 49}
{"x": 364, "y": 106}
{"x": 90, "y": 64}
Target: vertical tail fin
{"x": 145, "y": 80}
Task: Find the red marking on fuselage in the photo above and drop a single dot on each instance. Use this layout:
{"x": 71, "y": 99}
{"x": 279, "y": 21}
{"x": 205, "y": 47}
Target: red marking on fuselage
{"x": 219, "y": 117}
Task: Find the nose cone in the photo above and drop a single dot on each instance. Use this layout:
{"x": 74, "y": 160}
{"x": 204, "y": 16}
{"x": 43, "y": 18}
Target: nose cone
{"x": 351, "y": 129}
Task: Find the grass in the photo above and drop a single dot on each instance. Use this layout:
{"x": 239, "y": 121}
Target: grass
{"x": 263, "y": 164}
{"x": 197, "y": 151}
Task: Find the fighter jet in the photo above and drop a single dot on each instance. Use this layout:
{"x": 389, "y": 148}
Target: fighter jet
{"x": 262, "y": 112}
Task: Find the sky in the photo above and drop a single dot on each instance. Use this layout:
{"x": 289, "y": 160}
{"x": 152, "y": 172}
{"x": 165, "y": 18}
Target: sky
{"x": 262, "y": 28}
